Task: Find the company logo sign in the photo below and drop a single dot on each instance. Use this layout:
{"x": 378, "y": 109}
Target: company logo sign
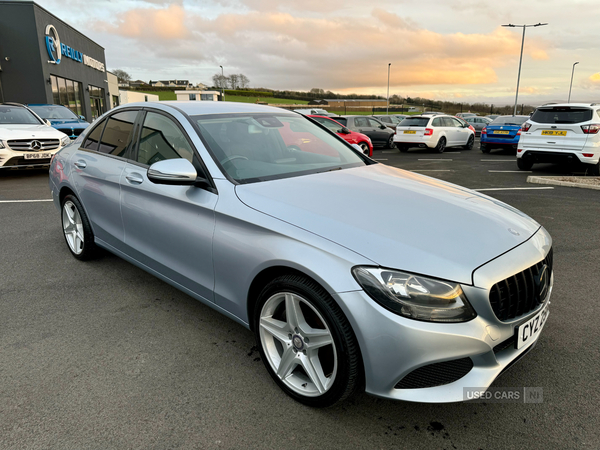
{"x": 542, "y": 282}
{"x": 56, "y": 49}
{"x": 35, "y": 145}
{"x": 53, "y": 44}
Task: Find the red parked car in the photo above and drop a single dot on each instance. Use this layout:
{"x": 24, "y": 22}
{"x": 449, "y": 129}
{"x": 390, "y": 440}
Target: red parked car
{"x": 352, "y": 137}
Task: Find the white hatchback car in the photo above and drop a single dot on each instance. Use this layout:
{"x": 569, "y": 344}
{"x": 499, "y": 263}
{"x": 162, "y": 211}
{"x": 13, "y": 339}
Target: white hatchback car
{"x": 562, "y": 133}
{"x": 26, "y": 140}
{"x": 433, "y": 131}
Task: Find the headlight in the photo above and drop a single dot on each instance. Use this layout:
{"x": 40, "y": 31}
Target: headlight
{"x": 415, "y": 296}
{"x": 65, "y": 141}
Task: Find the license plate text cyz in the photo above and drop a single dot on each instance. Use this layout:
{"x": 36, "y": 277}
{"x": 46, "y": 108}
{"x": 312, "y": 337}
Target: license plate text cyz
{"x": 529, "y": 331}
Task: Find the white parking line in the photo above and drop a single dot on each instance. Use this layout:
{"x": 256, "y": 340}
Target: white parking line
{"x": 497, "y": 160}
{"x": 512, "y": 189}
{"x": 432, "y": 170}
{"x": 435, "y": 159}
{"x": 389, "y": 151}
{"x": 26, "y": 201}
{"x": 510, "y": 171}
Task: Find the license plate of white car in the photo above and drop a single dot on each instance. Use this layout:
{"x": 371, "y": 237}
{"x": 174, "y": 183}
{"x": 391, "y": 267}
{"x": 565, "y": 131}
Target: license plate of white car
{"x": 530, "y": 330}
{"x": 37, "y": 155}
{"x": 409, "y": 132}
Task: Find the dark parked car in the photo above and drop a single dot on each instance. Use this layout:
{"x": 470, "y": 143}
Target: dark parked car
{"x": 378, "y": 132}
{"x": 479, "y": 123}
{"x": 391, "y": 120}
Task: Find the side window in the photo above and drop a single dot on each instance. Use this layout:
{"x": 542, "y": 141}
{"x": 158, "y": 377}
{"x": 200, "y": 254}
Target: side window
{"x": 457, "y": 123}
{"x": 118, "y": 133}
{"x": 447, "y": 121}
{"x": 385, "y": 119}
{"x": 437, "y": 122}
{"x": 93, "y": 138}
{"x": 360, "y": 122}
{"x": 162, "y": 139}
{"x": 373, "y": 123}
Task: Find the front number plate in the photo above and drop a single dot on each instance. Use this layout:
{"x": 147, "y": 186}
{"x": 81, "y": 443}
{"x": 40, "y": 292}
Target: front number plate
{"x": 554, "y": 133}
{"x": 37, "y": 155}
{"x": 530, "y": 330}
{"x": 409, "y": 132}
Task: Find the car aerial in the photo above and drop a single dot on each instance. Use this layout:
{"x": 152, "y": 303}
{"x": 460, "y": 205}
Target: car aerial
{"x": 317, "y": 111}
{"x": 391, "y": 121}
{"x": 378, "y": 132}
{"x": 503, "y": 132}
{"x": 208, "y": 197}
{"x": 26, "y": 140}
{"x": 479, "y": 123}
{"x": 61, "y": 118}
{"x": 433, "y": 131}
{"x": 562, "y": 134}
{"x": 352, "y": 137}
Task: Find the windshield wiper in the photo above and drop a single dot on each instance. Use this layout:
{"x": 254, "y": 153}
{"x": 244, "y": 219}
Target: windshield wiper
{"x": 330, "y": 170}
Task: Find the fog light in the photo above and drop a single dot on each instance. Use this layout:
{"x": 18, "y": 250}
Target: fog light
{"x": 588, "y": 155}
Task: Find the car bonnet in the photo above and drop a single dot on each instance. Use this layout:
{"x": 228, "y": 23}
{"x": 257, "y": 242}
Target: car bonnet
{"x": 396, "y": 218}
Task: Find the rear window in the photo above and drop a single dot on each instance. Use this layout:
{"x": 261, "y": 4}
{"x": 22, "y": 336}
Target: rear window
{"x": 414, "y": 122}
{"x": 341, "y": 120}
{"x": 562, "y": 114}
{"x": 510, "y": 120}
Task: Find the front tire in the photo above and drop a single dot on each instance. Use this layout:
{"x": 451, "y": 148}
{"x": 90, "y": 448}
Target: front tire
{"x": 470, "y": 142}
{"x": 524, "y": 165}
{"x": 306, "y": 342}
{"x": 390, "y": 142}
{"x": 365, "y": 148}
{"x": 77, "y": 230}
{"x": 441, "y": 145}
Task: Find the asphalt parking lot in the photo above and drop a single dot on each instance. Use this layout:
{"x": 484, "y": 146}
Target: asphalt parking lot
{"x": 101, "y": 355}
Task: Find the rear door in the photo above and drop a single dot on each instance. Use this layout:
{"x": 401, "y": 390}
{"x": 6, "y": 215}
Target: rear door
{"x": 168, "y": 228}
{"x": 97, "y": 168}
{"x": 362, "y": 125}
{"x": 461, "y": 133}
{"x": 411, "y": 129}
{"x": 557, "y": 128}
{"x": 381, "y": 132}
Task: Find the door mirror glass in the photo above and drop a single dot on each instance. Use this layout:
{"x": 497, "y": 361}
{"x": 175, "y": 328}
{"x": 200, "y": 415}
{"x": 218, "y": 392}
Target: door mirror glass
{"x": 357, "y": 147}
{"x": 47, "y": 122}
{"x": 177, "y": 171}
{"x": 82, "y": 117}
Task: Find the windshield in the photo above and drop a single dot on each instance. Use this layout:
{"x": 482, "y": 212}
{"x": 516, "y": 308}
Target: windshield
{"x": 510, "y": 120}
{"x": 17, "y": 115}
{"x": 53, "y": 112}
{"x": 258, "y": 147}
{"x": 414, "y": 122}
{"x": 562, "y": 114}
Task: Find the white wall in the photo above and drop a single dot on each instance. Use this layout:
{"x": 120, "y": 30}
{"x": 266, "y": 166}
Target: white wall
{"x": 113, "y": 88}
{"x": 133, "y": 97}
{"x": 184, "y": 96}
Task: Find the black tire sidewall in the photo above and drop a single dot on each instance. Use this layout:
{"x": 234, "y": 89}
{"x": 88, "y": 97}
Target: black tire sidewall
{"x": 345, "y": 345}
{"x": 439, "y": 148}
{"x": 89, "y": 248}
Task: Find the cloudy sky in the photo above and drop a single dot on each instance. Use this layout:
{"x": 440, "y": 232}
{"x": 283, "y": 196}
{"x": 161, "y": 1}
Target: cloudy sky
{"x": 443, "y": 49}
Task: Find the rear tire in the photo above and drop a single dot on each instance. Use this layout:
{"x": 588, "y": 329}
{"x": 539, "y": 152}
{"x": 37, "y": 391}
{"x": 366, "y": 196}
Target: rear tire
{"x": 77, "y": 230}
{"x": 593, "y": 170}
{"x": 524, "y": 165}
{"x": 305, "y": 341}
{"x": 441, "y": 145}
{"x": 484, "y": 148}
{"x": 402, "y": 147}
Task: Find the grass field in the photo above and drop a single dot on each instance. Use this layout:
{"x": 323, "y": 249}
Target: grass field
{"x": 163, "y": 95}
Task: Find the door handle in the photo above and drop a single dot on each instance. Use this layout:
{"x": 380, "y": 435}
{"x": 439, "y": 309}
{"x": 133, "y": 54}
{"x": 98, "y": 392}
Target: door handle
{"x": 134, "y": 179}
{"x": 80, "y": 164}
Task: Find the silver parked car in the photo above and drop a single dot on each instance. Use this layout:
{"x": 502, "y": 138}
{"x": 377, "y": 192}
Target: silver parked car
{"x": 338, "y": 264}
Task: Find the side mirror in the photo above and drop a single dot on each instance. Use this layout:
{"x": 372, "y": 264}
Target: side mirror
{"x": 47, "y": 122}
{"x": 82, "y": 118}
{"x": 383, "y": 127}
{"x": 345, "y": 130}
{"x": 357, "y": 147}
{"x": 173, "y": 171}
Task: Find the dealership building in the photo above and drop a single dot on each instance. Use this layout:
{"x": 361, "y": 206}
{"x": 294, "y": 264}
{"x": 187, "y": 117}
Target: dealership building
{"x": 45, "y": 60}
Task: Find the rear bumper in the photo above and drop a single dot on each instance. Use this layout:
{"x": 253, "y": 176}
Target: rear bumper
{"x": 422, "y": 142}
{"x": 557, "y": 156}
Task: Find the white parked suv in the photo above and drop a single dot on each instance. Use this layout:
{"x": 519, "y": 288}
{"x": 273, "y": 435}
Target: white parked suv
{"x": 562, "y": 133}
{"x": 433, "y": 131}
{"x": 26, "y": 140}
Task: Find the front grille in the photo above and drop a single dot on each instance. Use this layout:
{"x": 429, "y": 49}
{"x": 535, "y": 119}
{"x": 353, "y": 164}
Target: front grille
{"x": 71, "y": 132}
{"x": 519, "y": 294}
{"x": 436, "y": 374}
{"x": 508, "y": 343}
{"x": 25, "y": 145}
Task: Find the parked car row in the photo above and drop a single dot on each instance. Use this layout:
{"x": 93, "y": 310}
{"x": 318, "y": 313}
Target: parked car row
{"x": 435, "y": 131}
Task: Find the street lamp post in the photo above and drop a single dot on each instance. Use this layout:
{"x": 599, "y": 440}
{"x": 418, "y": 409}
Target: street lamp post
{"x": 388, "y": 91}
{"x": 222, "y": 80}
{"x": 521, "y": 57}
{"x": 571, "y": 85}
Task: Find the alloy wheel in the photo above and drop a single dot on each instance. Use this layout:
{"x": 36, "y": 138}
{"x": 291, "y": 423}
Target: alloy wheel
{"x": 298, "y": 344}
{"x": 72, "y": 227}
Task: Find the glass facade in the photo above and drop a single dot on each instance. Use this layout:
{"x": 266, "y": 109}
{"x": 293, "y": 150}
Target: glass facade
{"x": 96, "y": 101}
{"x": 67, "y": 93}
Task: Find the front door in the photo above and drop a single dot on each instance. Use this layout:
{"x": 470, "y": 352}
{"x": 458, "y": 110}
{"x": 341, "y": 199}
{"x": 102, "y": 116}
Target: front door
{"x": 168, "y": 228}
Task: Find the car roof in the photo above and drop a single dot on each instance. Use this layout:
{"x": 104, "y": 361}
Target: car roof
{"x": 579, "y": 105}
{"x": 45, "y": 104}
{"x": 194, "y": 108}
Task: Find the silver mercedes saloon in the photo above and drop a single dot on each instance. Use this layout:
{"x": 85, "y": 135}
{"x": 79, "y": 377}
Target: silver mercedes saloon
{"x": 351, "y": 274}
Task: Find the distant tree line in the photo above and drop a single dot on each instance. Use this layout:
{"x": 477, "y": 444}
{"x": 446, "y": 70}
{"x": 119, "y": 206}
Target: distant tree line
{"x": 233, "y": 81}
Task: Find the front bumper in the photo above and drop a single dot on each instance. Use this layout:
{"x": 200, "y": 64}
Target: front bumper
{"x": 10, "y": 159}
{"x": 393, "y": 347}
